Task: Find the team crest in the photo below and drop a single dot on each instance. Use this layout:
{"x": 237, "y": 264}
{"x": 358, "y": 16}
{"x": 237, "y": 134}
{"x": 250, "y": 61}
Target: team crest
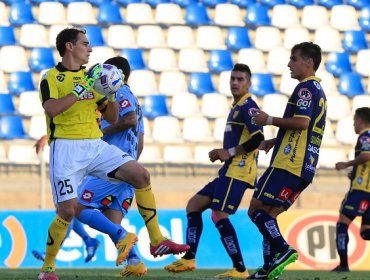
{"x": 236, "y": 113}
{"x": 252, "y": 111}
{"x": 304, "y": 94}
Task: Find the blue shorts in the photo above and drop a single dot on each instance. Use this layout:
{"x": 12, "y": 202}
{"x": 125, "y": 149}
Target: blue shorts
{"x": 100, "y": 194}
{"x": 226, "y": 193}
{"x": 279, "y": 187}
{"x": 356, "y": 203}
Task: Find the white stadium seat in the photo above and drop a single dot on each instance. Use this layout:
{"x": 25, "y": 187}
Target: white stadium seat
{"x": 224, "y": 83}
{"x": 162, "y": 59}
{"x": 29, "y": 104}
{"x": 172, "y": 83}
{"x": 185, "y": 105}
{"x": 162, "y": 134}
{"x": 274, "y": 104}
{"x": 210, "y": 38}
{"x": 287, "y": 84}
{"x": 37, "y": 127}
{"x": 150, "y": 36}
{"x": 52, "y": 13}
{"x": 192, "y": 60}
{"x": 215, "y": 105}
{"x": 168, "y": 13}
{"x": 330, "y": 156}
{"x": 295, "y": 35}
{"x": 33, "y": 35}
{"x": 143, "y": 82}
{"x": 267, "y": 38}
{"x": 100, "y": 54}
{"x": 277, "y": 60}
{"x": 121, "y": 36}
{"x": 254, "y": 58}
{"x": 328, "y": 38}
{"x": 219, "y": 129}
{"x": 338, "y": 108}
{"x": 228, "y": 15}
{"x": 7, "y": 61}
{"x": 80, "y": 13}
{"x": 344, "y": 17}
{"x": 139, "y": 13}
{"x": 345, "y": 133}
{"x": 362, "y": 65}
{"x": 280, "y": 19}
{"x": 314, "y": 17}
{"x": 197, "y": 129}
{"x": 360, "y": 101}
{"x": 54, "y": 31}
{"x": 177, "y": 155}
{"x": 180, "y": 37}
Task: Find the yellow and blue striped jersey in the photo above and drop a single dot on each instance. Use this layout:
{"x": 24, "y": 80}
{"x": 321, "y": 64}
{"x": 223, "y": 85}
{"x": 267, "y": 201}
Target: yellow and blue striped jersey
{"x": 360, "y": 179}
{"x": 297, "y": 151}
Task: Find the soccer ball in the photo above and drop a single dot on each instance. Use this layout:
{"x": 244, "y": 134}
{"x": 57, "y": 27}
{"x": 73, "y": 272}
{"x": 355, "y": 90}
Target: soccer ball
{"x": 110, "y": 80}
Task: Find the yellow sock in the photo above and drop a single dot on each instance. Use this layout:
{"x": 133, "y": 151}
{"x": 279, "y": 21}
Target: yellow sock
{"x": 56, "y": 234}
{"x": 146, "y": 204}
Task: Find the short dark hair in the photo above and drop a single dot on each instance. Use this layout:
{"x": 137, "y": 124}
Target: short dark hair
{"x": 241, "y": 67}
{"x": 309, "y": 50}
{"x": 67, "y": 35}
{"x": 121, "y": 63}
{"x": 363, "y": 113}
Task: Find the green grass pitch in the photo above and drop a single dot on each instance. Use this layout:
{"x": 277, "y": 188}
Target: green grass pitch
{"x": 160, "y": 274}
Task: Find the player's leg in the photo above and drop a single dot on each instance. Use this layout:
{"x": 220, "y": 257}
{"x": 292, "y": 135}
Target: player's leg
{"x": 342, "y": 240}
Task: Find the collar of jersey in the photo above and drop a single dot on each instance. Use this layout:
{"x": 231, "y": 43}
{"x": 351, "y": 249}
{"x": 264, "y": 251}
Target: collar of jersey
{"x": 364, "y": 130}
{"x": 61, "y": 68}
{"x": 242, "y": 99}
{"x": 311, "y": 78}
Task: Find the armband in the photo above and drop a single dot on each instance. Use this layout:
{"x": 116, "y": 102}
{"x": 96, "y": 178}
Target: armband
{"x": 232, "y": 151}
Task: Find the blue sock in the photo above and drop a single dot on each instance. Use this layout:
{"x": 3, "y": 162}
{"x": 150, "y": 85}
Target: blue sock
{"x": 98, "y": 221}
{"x": 342, "y": 242}
{"x": 193, "y": 233}
{"x": 79, "y": 229}
{"x": 365, "y": 234}
{"x": 268, "y": 227}
{"x": 69, "y": 228}
{"x": 133, "y": 254}
{"x": 231, "y": 244}
{"x": 268, "y": 254}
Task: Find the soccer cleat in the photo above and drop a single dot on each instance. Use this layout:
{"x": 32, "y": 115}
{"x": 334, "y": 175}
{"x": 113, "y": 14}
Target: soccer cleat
{"x": 281, "y": 260}
{"x": 181, "y": 265}
{"x": 47, "y": 275}
{"x": 39, "y": 255}
{"x": 134, "y": 270}
{"x": 92, "y": 245}
{"x": 259, "y": 274}
{"x": 340, "y": 269}
{"x": 232, "y": 274}
{"x": 166, "y": 247}
{"x": 124, "y": 247}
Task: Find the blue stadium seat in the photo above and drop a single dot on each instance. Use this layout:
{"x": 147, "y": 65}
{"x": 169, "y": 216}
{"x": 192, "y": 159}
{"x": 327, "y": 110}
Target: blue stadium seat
{"x": 11, "y": 127}
{"x": 95, "y": 35}
{"x": 237, "y": 38}
{"x": 66, "y": 2}
{"x": 358, "y": 4}
{"x": 184, "y": 3}
{"x": 329, "y": 3}
{"x": 154, "y": 106}
{"x": 109, "y": 13}
{"x": 37, "y": 2}
{"x": 354, "y": 40}
{"x": 301, "y": 3}
{"x": 98, "y": 2}
{"x": 41, "y": 58}
{"x": 257, "y": 15}
{"x": 135, "y": 57}
{"x": 213, "y": 3}
{"x": 10, "y": 2}
{"x": 220, "y": 60}
{"x": 200, "y": 83}
{"x": 20, "y": 81}
{"x": 262, "y": 84}
{"x": 364, "y": 18}
{"x": 196, "y": 14}
{"x": 21, "y": 13}
{"x": 126, "y": 2}
{"x": 6, "y": 104}
{"x": 7, "y": 36}
{"x": 272, "y": 3}
{"x": 350, "y": 84}
{"x": 154, "y": 3}
{"x": 338, "y": 63}
{"x": 243, "y": 3}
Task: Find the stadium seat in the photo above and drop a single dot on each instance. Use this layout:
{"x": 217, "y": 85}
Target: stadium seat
{"x": 220, "y": 60}
{"x": 287, "y": 84}
{"x": 343, "y": 17}
{"x": 228, "y": 15}
{"x": 358, "y": 4}
{"x": 350, "y": 84}
{"x": 262, "y": 84}
{"x": 162, "y": 134}
{"x": 328, "y": 81}
{"x": 185, "y": 105}
{"x": 219, "y": 129}
{"x": 178, "y": 156}
{"x": 99, "y": 54}
{"x": 3, "y": 84}
{"x": 38, "y": 38}
{"x": 201, "y": 157}
{"x": 6, "y": 104}
{"x": 148, "y": 131}
{"x": 74, "y": 15}
{"x": 328, "y": 39}
{"x": 300, "y": 4}
{"x": 150, "y": 36}
{"x": 339, "y": 107}
{"x": 29, "y": 104}
{"x": 362, "y": 65}
{"x": 20, "y": 81}
{"x": 257, "y": 15}
{"x": 345, "y": 133}
{"x": 156, "y": 3}
{"x": 94, "y": 34}
{"x": 243, "y": 3}
{"x": 66, "y": 2}
{"x": 329, "y": 135}
{"x": 237, "y": 38}
{"x": 279, "y": 16}
{"x": 184, "y": 3}
{"x": 329, "y": 4}
{"x": 201, "y": 83}
{"x": 314, "y": 17}
{"x": 197, "y": 129}
{"x": 192, "y": 60}
{"x": 364, "y": 18}
{"x": 125, "y": 3}
{"x": 121, "y": 36}
{"x": 213, "y": 3}
{"x": 295, "y": 35}
{"x": 135, "y": 57}
{"x": 22, "y": 154}
{"x": 54, "y": 31}
{"x": 162, "y": 59}
{"x": 7, "y": 36}
{"x": 360, "y": 101}
{"x": 179, "y": 37}
{"x": 143, "y": 82}
{"x": 196, "y": 14}
{"x": 267, "y": 38}
{"x": 21, "y": 13}
{"x": 172, "y": 83}
{"x": 109, "y": 13}
{"x": 254, "y": 58}
{"x": 139, "y": 13}
{"x": 168, "y": 14}
{"x": 354, "y": 40}
{"x": 151, "y": 155}
{"x": 274, "y": 104}
{"x": 210, "y": 38}
{"x": 224, "y": 83}
{"x": 37, "y": 127}
{"x": 330, "y": 156}
{"x": 41, "y": 58}
{"x": 210, "y": 101}
{"x": 338, "y": 63}
{"x": 52, "y": 13}
{"x": 277, "y": 60}
{"x": 272, "y": 3}
{"x": 3, "y": 15}
{"x": 11, "y": 127}
{"x": 154, "y": 106}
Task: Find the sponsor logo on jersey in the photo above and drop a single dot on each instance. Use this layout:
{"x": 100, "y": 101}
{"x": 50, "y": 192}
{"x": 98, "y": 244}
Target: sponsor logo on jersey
{"x": 317, "y": 85}
{"x": 285, "y": 193}
{"x": 364, "y": 204}
{"x": 359, "y": 180}
{"x": 287, "y": 149}
{"x": 87, "y": 96}
{"x": 313, "y": 149}
{"x": 309, "y": 166}
{"x": 304, "y": 94}
{"x": 124, "y": 103}
{"x": 241, "y": 163}
{"x": 60, "y": 77}
{"x": 87, "y": 195}
{"x": 252, "y": 111}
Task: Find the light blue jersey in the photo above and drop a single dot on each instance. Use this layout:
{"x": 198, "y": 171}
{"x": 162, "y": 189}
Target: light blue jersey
{"x": 98, "y": 193}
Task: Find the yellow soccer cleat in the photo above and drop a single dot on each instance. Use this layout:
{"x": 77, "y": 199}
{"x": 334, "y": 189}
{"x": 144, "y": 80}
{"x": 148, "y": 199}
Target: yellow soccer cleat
{"x": 232, "y": 274}
{"x": 124, "y": 247}
{"x": 181, "y": 265}
{"x": 134, "y": 270}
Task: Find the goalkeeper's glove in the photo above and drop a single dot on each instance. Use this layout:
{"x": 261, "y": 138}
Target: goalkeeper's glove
{"x": 88, "y": 81}
{"x": 111, "y": 97}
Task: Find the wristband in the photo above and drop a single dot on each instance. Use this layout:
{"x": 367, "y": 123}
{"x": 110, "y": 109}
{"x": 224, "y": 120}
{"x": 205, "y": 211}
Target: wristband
{"x": 269, "y": 120}
{"x": 232, "y": 151}
{"x": 78, "y": 91}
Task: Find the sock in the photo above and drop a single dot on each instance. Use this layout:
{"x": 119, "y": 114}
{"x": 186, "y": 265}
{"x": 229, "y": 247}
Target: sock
{"x": 146, "y": 205}
{"x": 133, "y": 258}
{"x": 193, "y": 233}
{"x": 269, "y": 253}
{"x": 79, "y": 229}
{"x": 365, "y": 234}
{"x": 269, "y": 229}
{"x": 342, "y": 242}
{"x": 231, "y": 244}
{"x": 98, "y": 221}
{"x": 56, "y": 234}
{"x": 69, "y": 228}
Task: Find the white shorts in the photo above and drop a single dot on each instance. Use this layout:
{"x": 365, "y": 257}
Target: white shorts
{"x": 72, "y": 160}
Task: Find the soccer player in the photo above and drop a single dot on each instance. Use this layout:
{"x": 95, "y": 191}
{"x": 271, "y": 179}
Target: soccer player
{"x": 76, "y": 150}
{"x": 357, "y": 200}
{"x": 294, "y": 157}
{"x": 224, "y": 194}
